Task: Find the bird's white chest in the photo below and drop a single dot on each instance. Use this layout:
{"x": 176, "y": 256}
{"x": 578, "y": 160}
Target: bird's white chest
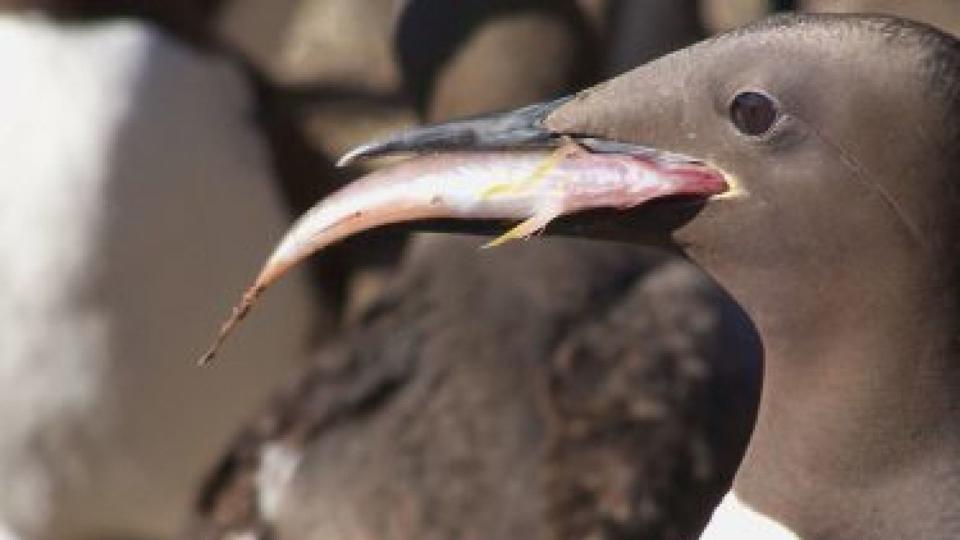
{"x": 734, "y": 520}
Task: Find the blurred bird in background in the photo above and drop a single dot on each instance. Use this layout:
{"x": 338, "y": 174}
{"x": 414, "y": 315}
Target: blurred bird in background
{"x": 131, "y": 162}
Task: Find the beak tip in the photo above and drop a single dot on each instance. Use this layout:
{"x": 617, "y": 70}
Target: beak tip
{"x": 351, "y": 156}
{"x": 490, "y": 131}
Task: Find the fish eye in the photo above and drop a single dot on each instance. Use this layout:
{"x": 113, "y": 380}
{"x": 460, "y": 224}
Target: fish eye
{"x": 753, "y": 113}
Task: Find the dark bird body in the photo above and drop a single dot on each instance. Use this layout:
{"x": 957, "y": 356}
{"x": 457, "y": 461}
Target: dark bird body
{"x": 595, "y": 402}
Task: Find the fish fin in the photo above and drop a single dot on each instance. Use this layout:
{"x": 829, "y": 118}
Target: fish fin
{"x": 525, "y": 228}
{"x": 571, "y": 148}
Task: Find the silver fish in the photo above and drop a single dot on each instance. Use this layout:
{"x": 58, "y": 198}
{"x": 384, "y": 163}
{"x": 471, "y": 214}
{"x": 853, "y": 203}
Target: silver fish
{"x": 533, "y": 186}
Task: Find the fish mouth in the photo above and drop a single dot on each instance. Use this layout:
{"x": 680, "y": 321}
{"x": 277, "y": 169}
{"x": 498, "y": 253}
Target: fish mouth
{"x": 470, "y": 174}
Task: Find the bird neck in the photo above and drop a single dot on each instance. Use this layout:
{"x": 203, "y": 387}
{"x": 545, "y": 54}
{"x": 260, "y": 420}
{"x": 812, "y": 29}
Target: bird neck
{"x": 858, "y": 430}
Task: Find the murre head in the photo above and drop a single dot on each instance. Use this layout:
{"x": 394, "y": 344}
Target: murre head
{"x": 836, "y": 134}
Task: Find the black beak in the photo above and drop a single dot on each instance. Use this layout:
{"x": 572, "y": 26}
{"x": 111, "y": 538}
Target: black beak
{"x": 519, "y": 129}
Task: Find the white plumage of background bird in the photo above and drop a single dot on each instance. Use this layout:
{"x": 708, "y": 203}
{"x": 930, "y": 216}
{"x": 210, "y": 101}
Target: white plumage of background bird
{"x": 129, "y": 167}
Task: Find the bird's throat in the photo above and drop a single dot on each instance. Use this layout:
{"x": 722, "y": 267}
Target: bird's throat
{"x": 859, "y": 424}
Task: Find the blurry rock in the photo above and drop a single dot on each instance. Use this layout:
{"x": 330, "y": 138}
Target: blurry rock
{"x": 259, "y": 30}
{"x": 142, "y": 198}
{"x": 335, "y": 60}
{"x": 638, "y": 32}
{"x": 344, "y": 42}
{"x": 721, "y": 15}
{"x": 516, "y": 60}
{"x": 504, "y": 47}
{"x": 944, "y": 14}
{"x": 595, "y": 13}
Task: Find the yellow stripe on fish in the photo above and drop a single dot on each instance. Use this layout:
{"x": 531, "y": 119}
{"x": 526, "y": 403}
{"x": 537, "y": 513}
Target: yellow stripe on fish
{"x": 535, "y": 177}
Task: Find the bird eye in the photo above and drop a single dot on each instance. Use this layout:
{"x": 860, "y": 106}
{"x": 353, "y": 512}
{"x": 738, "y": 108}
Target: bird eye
{"x": 753, "y": 113}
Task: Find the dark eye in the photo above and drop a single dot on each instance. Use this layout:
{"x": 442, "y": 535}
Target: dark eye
{"x": 753, "y": 113}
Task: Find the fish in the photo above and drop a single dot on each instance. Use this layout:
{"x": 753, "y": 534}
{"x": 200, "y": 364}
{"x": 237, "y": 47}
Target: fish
{"x": 533, "y": 186}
